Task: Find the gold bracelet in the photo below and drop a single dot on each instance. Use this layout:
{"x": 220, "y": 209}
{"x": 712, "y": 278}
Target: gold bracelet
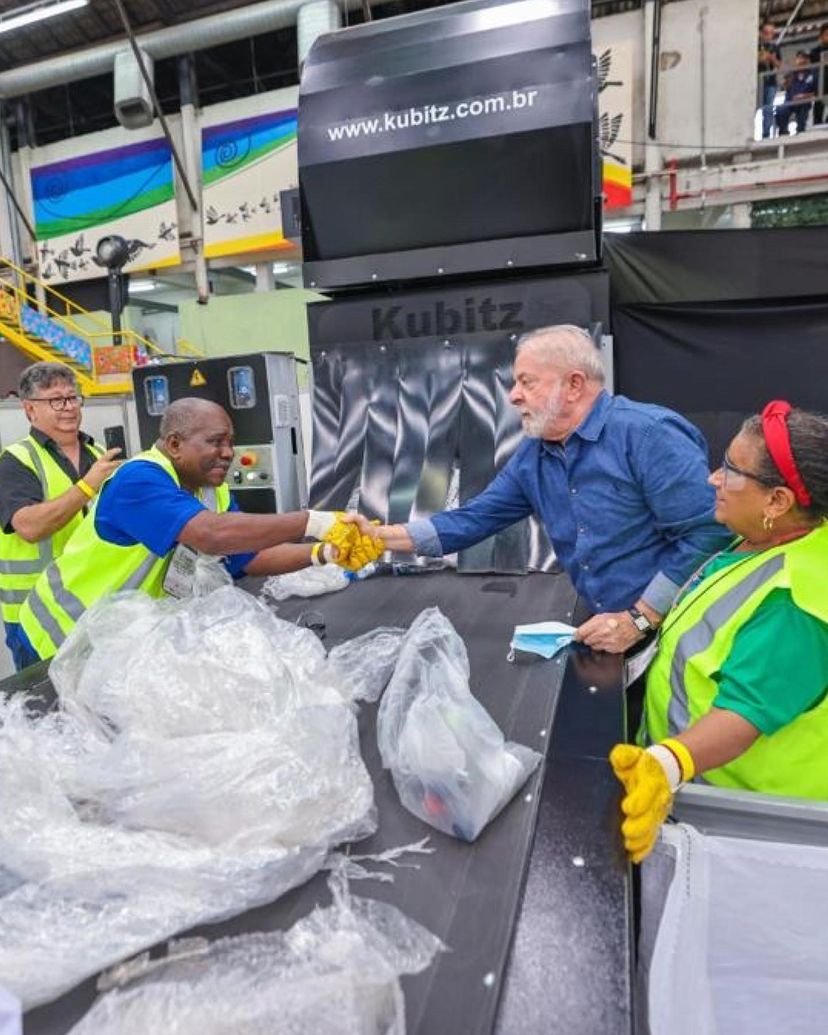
{"x": 85, "y": 488}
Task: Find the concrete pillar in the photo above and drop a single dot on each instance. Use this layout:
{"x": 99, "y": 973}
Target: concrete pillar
{"x": 652, "y": 151}
{"x": 265, "y": 281}
{"x": 313, "y": 19}
{"x": 740, "y": 214}
{"x": 192, "y": 220}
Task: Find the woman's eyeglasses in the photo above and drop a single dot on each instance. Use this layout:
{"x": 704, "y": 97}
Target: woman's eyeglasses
{"x": 729, "y": 468}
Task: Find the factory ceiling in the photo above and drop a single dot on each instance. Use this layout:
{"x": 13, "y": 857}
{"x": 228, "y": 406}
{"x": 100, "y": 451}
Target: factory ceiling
{"x": 225, "y": 72}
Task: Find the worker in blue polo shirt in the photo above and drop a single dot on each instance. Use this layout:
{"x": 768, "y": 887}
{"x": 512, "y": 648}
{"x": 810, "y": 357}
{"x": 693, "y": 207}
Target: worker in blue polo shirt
{"x": 620, "y": 487}
{"x": 158, "y": 512}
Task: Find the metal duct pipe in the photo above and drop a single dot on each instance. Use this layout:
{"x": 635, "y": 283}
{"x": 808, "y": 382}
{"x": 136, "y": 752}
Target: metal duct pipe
{"x": 163, "y": 43}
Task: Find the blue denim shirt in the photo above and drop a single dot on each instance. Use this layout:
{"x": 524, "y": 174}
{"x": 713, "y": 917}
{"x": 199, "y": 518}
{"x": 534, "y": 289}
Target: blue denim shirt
{"x": 624, "y": 500}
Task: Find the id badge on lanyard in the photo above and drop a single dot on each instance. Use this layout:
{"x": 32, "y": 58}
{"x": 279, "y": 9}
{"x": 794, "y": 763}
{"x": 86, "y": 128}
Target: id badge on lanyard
{"x": 178, "y": 582}
{"x": 638, "y": 664}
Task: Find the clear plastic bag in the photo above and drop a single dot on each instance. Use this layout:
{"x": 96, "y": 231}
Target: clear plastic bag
{"x": 203, "y": 761}
{"x": 309, "y": 582}
{"x": 366, "y": 663}
{"x": 335, "y": 972}
{"x": 448, "y": 758}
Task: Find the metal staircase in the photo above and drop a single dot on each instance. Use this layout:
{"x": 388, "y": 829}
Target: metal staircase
{"x": 46, "y": 325}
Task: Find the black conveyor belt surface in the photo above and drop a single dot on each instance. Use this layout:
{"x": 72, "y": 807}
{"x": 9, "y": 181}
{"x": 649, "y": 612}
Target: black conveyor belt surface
{"x": 548, "y": 871}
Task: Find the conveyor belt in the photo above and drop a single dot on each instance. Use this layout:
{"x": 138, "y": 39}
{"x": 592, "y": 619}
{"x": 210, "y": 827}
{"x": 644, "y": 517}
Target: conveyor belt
{"x": 548, "y": 871}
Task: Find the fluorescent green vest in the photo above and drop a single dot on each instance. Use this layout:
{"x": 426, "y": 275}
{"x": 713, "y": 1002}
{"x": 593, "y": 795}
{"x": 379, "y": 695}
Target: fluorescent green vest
{"x": 21, "y": 562}
{"x": 698, "y": 635}
{"x": 90, "y": 567}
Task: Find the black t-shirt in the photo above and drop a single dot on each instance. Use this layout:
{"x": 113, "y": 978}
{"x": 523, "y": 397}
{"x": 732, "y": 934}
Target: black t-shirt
{"x": 764, "y": 65}
{"x": 20, "y": 486}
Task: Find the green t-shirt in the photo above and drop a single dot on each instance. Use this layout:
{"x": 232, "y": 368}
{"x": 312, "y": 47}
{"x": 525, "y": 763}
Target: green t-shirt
{"x": 778, "y": 665}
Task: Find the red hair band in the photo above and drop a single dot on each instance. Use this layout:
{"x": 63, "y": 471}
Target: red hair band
{"x": 778, "y": 441}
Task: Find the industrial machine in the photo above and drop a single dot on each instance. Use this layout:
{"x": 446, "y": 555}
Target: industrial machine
{"x": 465, "y": 141}
{"x": 458, "y": 140}
{"x": 260, "y": 393}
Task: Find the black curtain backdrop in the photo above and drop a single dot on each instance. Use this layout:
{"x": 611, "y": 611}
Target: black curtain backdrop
{"x": 715, "y": 323}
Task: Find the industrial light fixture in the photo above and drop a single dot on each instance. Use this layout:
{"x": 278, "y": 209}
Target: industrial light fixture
{"x": 112, "y": 252}
{"x": 36, "y": 12}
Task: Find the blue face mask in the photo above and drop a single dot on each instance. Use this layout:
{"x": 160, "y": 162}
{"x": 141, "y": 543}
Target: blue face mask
{"x": 542, "y": 638}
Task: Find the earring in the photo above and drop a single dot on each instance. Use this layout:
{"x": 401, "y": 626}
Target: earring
{"x": 767, "y": 523}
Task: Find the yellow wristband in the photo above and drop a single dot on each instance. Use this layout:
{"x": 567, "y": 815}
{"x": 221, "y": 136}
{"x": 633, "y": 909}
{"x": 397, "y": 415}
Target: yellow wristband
{"x": 317, "y": 557}
{"x": 683, "y": 757}
{"x": 85, "y": 488}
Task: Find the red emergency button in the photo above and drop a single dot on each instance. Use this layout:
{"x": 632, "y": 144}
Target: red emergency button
{"x": 247, "y": 459}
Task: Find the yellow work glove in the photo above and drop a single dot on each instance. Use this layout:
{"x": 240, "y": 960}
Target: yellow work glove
{"x": 650, "y": 778}
{"x": 354, "y": 550}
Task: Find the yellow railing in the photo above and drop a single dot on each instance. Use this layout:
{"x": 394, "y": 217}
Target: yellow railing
{"x": 186, "y": 348}
{"x": 27, "y": 289}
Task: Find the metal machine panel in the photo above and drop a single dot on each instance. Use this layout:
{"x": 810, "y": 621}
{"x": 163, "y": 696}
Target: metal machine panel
{"x": 464, "y": 139}
{"x": 411, "y": 408}
{"x": 260, "y": 393}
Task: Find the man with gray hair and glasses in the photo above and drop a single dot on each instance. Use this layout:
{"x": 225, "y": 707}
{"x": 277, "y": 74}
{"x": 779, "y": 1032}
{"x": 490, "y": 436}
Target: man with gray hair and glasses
{"x": 46, "y": 481}
{"x": 620, "y": 487}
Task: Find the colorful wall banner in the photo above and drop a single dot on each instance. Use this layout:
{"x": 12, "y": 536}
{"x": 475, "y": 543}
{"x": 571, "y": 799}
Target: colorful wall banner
{"x": 122, "y": 190}
{"x": 246, "y": 164}
{"x": 615, "y": 99}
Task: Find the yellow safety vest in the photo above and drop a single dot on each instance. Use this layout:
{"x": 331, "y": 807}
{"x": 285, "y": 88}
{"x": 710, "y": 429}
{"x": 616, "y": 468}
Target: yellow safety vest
{"x": 698, "y": 635}
{"x": 90, "y": 567}
{"x": 20, "y": 561}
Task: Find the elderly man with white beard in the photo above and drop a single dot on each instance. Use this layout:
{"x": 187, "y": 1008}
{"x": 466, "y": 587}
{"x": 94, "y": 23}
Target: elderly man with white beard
{"x": 620, "y": 487}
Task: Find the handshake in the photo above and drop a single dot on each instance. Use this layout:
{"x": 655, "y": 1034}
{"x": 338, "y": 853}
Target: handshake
{"x": 354, "y": 539}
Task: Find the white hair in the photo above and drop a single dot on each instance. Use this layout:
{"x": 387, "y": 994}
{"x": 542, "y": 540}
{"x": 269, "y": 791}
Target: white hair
{"x": 566, "y": 346}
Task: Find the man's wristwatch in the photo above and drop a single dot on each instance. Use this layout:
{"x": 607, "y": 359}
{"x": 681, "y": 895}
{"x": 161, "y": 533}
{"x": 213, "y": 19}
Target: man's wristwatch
{"x": 640, "y": 620}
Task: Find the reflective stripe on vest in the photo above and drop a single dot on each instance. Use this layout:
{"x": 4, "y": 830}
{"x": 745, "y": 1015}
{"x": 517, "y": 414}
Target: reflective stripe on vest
{"x": 91, "y": 568}
{"x": 21, "y": 561}
{"x": 700, "y": 636}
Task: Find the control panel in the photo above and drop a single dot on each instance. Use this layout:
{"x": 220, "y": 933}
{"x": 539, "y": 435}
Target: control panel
{"x": 252, "y": 467}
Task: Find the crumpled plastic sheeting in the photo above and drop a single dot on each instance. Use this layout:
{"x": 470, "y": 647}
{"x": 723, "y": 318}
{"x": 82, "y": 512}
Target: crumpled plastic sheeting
{"x": 309, "y": 582}
{"x": 203, "y": 762}
{"x": 173, "y": 668}
{"x": 366, "y": 662}
{"x": 447, "y": 756}
{"x": 335, "y": 972}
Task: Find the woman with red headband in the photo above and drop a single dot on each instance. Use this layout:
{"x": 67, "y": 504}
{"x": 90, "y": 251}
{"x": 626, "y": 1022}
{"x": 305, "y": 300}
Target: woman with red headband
{"x": 737, "y": 693}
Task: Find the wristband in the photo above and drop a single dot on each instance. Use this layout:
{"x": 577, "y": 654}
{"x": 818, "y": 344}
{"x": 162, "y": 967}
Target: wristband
{"x": 317, "y": 555}
{"x": 85, "y": 488}
{"x": 683, "y": 757}
{"x": 669, "y": 763}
